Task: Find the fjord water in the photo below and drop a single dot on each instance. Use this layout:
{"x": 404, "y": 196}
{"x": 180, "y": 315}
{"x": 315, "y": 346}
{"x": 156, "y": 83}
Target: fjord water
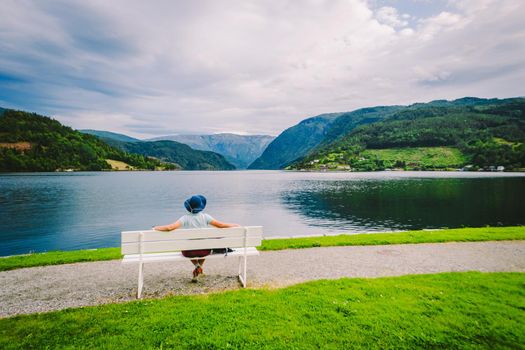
{"x": 66, "y": 211}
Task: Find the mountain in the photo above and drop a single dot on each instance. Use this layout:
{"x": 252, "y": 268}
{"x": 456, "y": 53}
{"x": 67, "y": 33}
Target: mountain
{"x": 320, "y": 135}
{"x": 109, "y": 135}
{"x": 482, "y": 133}
{"x": 294, "y": 142}
{"x": 240, "y": 150}
{"x": 346, "y": 122}
{"x": 174, "y": 152}
{"x": 31, "y": 142}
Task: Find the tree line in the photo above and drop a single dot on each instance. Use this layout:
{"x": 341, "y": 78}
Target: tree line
{"x": 58, "y": 147}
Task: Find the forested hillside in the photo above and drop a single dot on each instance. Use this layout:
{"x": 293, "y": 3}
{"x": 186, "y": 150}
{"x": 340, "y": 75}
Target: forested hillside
{"x": 346, "y": 122}
{"x": 294, "y": 142}
{"x": 483, "y": 133}
{"x": 31, "y": 142}
{"x": 183, "y": 155}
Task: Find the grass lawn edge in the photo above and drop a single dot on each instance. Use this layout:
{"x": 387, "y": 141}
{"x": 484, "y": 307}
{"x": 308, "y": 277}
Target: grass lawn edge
{"x": 405, "y": 237}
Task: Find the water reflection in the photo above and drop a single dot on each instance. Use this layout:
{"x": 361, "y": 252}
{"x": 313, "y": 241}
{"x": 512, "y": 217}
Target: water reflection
{"x": 412, "y": 203}
{"x": 41, "y": 212}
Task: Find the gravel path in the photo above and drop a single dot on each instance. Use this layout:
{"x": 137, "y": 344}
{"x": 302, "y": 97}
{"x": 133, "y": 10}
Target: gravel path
{"x": 57, "y": 287}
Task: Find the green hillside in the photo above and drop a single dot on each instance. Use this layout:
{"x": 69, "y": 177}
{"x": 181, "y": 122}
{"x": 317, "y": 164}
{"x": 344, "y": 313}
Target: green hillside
{"x": 479, "y": 132}
{"x": 31, "y": 142}
{"x": 346, "y": 122}
{"x": 174, "y": 152}
{"x": 418, "y": 157}
{"x": 410, "y": 158}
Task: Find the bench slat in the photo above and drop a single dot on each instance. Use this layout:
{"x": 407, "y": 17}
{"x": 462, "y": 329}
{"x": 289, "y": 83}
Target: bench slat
{"x": 159, "y": 257}
{"x": 185, "y": 234}
{"x": 177, "y": 245}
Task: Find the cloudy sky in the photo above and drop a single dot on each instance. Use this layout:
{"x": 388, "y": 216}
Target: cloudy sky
{"x": 149, "y": 68}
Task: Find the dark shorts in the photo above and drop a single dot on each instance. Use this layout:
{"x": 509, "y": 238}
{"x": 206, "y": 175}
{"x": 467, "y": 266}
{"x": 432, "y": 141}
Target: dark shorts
{"x": 196, "y": 253}
{"x": 204, "y": 252}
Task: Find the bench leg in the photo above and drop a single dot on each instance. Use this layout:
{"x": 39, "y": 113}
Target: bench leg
{"x": 245, "y": 263}
{"x": 141, "y": 280}
{"x": 242, "y": 268}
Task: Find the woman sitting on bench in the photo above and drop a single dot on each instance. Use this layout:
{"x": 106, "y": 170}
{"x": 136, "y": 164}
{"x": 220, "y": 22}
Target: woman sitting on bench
{"x": 195, "y": 219}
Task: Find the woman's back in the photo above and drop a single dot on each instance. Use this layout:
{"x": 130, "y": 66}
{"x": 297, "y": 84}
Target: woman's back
{"x": 197, "y": 220}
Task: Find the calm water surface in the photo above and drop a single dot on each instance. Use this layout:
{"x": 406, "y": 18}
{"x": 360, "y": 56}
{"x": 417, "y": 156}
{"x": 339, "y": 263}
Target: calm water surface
{"x": 65, "y": 211}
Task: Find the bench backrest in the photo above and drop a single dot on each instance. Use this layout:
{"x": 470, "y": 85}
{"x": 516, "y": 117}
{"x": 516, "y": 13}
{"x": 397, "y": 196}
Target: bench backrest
{"x": 151, "y": 241}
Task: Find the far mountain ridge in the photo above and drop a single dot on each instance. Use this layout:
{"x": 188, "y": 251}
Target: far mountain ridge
{"x": 110, "y": 135}
{"x": 240, "y": 150}
{"x": 175, "y": 152}
{"x": 170, "y": 151}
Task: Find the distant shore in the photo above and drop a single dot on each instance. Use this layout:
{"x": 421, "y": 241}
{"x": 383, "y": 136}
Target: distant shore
{"x": 456, "y": 171}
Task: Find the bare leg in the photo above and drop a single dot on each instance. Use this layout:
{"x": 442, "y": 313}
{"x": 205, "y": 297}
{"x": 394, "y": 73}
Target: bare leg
{"x": 198, "y": 262}
{"x": 198, "y": 268}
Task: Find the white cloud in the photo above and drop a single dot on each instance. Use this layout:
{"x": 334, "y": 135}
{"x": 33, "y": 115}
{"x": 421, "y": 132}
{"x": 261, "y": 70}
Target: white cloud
{"x": 438, "y": 25}
{"x": 257, "y": 67}
{"x": 389, "y": 16}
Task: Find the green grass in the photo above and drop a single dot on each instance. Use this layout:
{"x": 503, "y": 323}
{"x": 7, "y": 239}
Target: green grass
{"x": 450, "y": 310}
{"x": 449, "y": 235}
{"x": 58, "y": 257}
{"x": 426, "y": 157}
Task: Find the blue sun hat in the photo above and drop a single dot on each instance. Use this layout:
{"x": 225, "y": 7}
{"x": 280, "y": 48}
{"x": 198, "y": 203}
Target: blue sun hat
{"x": 195, "y": 204}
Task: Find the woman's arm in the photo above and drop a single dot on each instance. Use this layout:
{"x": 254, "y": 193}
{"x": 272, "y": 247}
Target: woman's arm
{"x": 222, "y": 224}
{"x": 169, "y": 227}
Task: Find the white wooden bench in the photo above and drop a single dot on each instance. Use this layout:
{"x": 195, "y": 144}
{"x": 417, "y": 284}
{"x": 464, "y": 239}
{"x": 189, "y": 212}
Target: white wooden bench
{"x": 154, "y": 246}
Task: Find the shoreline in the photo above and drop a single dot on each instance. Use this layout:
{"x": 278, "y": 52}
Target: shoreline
{"x": 459, "y": 172}
{"x": 482, "y": 234}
